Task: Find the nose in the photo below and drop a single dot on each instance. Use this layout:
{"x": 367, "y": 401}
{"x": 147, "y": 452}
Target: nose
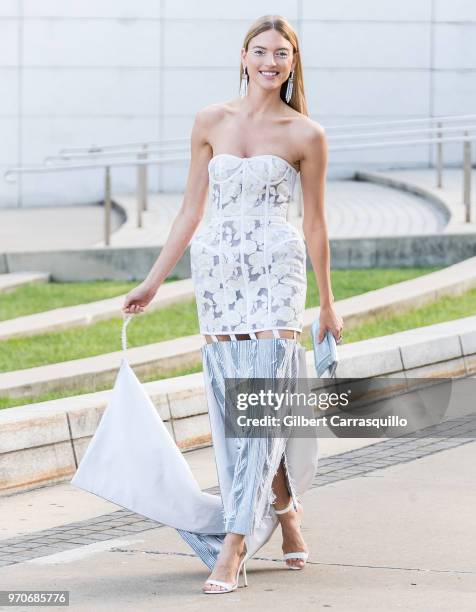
{"x": 272, "y": 62}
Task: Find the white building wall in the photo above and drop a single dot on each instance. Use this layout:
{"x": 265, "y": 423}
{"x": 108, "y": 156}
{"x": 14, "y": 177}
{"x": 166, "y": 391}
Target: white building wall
{"x": 77, "y": 72}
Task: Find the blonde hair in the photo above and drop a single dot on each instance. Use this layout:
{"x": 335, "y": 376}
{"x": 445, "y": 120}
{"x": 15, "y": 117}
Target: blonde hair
{"x": 281, "y": 25}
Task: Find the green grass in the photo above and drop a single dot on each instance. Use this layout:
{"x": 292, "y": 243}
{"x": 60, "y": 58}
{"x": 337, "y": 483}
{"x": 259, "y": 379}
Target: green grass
{"x": 165, "y": 324}
{"x": 444, "y": 309}
{"x": 346, "y": 283}
{"x": 38, "y": 297}
{"x": 98, "y": 338}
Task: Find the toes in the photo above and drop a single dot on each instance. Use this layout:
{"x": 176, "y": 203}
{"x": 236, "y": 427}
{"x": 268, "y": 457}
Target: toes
{"x": 212, "y": 587}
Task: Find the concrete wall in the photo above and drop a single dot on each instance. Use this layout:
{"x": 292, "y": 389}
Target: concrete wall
{"x": 134, "y": 263}
{"x": 106, "y": 71}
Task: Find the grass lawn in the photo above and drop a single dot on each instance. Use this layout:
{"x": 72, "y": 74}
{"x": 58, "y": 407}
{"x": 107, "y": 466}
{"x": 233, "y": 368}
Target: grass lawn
{"x": 165, "y": 324}
{"x": 38, "y": 297}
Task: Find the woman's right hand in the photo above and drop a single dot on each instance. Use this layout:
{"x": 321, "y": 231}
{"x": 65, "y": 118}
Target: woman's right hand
{"x": 138, "y": 299}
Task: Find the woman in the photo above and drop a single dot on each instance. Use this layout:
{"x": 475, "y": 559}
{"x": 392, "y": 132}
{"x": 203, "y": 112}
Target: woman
{"x": 248, "y": 267}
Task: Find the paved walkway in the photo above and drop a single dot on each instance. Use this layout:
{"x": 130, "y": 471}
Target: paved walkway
{"x": 358, "y": 208}
{"x": 52, "y": 227}
{"x": 354, "y": 208}
{"x": 451, "y": 192}
{"x": 376, "y": 522}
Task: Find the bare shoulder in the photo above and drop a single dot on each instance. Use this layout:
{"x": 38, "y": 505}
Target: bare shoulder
{"x": 311, "y": 135}
{"x": 207, "y": 118}
{"x": 210, "y": 115}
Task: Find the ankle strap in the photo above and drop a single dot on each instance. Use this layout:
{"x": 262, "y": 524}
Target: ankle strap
{"x": 289, "y": 507}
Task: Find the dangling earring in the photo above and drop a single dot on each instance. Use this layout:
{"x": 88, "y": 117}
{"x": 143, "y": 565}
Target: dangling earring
{"x": 289, "y": 88}
{"x": 244, "y": 84}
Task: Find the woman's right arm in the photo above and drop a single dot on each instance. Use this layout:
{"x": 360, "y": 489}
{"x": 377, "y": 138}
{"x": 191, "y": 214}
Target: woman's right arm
{"x": 186, "y": 221}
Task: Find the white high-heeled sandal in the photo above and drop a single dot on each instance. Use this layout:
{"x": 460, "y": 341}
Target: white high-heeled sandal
{"x": 228, "y": 587}
{"x": 293, "y": 555}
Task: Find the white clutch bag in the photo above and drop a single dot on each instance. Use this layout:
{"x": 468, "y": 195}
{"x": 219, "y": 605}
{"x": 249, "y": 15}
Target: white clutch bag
{"x": 325, "y": 352}
{"x": 134, "y": 462}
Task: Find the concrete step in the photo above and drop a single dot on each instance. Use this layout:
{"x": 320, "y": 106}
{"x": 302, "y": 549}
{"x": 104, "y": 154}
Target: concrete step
{"x": 11, "y": 281}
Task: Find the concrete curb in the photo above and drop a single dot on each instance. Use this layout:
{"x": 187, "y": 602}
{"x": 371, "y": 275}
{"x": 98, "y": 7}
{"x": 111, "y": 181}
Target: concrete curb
{"x": 185, "y": 352}
{"x": 9, "y": 282}
{"x": 43, "y": 443}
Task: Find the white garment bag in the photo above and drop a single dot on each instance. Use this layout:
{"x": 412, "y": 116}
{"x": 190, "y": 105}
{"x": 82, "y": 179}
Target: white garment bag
{"x": 133, "y": 461}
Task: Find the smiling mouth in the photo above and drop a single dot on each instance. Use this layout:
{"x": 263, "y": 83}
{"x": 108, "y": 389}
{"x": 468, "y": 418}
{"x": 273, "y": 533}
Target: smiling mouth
{"x": 269, "y": 73}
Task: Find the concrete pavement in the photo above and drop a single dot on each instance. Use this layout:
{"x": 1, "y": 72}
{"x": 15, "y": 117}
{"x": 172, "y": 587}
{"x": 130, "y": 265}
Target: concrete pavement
{"x": 389, "y": 525}
{"x": 423, "y": 181}
{"x": 47, "y": 228}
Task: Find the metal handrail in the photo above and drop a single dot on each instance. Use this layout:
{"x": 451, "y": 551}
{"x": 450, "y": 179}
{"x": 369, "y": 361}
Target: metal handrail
{"x": 61, "y": 168}
{"x": 141, "y": 186}
{"x": 98, "y": 148}
{"x": 72, "y": 156}
{"x": 438, "y": 129}
{"x": 124, "y": 153}
{"x": 152, "y": 160}
{"x": 122, "y": 150}
{"x": 396, "y": 143}
{"x": 441, "y": 118}
{"x": 467, "y": 163}
{"x": 159, "y": 143}
{"x": 142, "y": 150}
{"x": 142, "y": 153}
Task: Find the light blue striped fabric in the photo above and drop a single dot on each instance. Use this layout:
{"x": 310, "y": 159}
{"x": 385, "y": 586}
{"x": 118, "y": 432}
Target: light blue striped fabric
{"x": 245, "y": 466}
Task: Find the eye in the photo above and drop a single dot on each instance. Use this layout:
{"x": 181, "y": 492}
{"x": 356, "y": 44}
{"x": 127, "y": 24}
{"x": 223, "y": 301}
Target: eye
{"x": 258, "y": 51}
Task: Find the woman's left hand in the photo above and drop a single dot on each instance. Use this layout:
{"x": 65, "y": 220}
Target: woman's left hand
{"x": 329, "y": 319}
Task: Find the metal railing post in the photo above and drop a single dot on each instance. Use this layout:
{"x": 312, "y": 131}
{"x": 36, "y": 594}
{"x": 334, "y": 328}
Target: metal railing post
{"x": 467, "y": 178}
{"x": 439, "y": 160}
{"x": 141, "y": 188}
{"x": 107, "y": 206}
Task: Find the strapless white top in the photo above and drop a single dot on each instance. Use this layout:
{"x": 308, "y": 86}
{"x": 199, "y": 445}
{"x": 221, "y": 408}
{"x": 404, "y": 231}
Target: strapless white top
{"x": 248, "y": 263}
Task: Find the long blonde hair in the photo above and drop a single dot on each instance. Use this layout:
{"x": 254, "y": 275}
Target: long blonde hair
{"x": 281, "y": 25}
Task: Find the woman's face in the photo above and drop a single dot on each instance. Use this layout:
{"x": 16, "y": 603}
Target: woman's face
{"x": 269, "y": 59}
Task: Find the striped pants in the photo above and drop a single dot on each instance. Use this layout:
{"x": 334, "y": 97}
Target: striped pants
{"x": 246, "y": 467}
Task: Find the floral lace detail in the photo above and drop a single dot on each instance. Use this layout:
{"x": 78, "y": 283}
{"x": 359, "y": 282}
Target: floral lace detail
{"x": 248, "y": 263}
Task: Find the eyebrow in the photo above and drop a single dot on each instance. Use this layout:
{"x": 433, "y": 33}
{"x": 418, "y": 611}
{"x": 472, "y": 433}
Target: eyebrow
{"x": 261, "y": 47}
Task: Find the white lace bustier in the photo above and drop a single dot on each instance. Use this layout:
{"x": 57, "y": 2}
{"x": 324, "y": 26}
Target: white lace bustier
{"x": 248, "y": 263}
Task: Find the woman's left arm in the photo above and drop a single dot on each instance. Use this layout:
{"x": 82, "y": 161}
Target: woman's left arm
{"x": 313, "y": 183}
